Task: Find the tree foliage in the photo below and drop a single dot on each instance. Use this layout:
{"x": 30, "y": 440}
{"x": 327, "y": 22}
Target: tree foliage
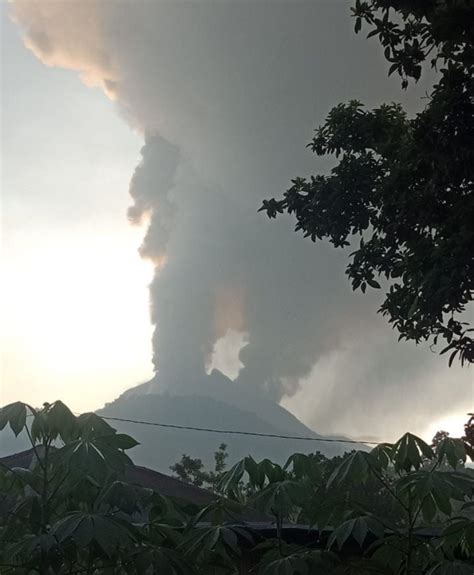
{"x": 404, "y": 186}
{"x": 73, "y": 510}
{"x": 428, "y": 488}
{"x": 192, "y": 470}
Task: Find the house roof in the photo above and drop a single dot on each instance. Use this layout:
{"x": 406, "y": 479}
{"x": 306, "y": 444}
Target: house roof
{"x": 159, "y": 482}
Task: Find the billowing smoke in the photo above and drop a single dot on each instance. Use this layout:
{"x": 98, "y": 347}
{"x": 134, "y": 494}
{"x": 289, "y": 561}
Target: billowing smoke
{"x": 226, "y": 95}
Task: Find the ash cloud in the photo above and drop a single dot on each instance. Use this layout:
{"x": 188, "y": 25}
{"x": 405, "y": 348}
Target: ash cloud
{"x": 227, "y": 95}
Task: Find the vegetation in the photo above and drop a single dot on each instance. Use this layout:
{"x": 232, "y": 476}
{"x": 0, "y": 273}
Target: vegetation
{"x": 73, "y": 510}
{"x": 403, "y": 187}
{"x": 192, "y": 470}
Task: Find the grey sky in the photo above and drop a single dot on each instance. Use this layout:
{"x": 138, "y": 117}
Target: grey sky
{"x": 227, "y": 95}
{"x": 66, "y": 244}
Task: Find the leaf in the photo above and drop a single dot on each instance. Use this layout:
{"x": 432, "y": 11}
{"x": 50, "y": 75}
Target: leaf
{"x": 255, "y": 471}
{"x": 3, "y": 418}
{"x": 15, "y": 415}
{"x": 126, "y": 497}
{"x": 408, "y": 452}
{"x": 161, "y": 560}
{"x": 390, "y": 551}
{"x": 84, "y": 528}
{"x": 272, "y": 471}
{"x": 30, "y": 546}
{"x": 279, "y": 498}
{"x": 231, "y": 540}
{"x": 229, "y": 482}
{"x": 453, "y": 450}
{"x": 373, "y": 283}
{"x": 392, "y": 68}
{"x": 442, "y": 501}
{"x": 27, "y": 477}
{"x": 91, "y": 424}
{"x": 39, "y": 427}
{"x": 94, "y": 456}
{"x": 451, "y": 568}
{"x": 286, "y": 566}
{"x": 358, "y": 529}
{"x": 429, "y": 508}
{"x": 203, "y": 540}
{"x": 122, "y": 441}
{"x": 355, "y": 468}
{"x": 305, "y": 466}
{"x": 383, "y": 454}
{"x": 61, "y": 421}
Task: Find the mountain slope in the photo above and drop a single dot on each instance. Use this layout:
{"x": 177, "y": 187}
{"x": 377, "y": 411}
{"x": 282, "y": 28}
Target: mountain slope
{"x": 212, "y": 402}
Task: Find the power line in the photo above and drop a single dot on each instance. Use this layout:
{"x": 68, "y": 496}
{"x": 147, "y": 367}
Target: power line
{"x": 237, "y": 432}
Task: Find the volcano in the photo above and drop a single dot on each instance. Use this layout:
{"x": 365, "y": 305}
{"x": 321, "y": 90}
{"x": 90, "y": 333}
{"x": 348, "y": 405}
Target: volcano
{"x": 212, "y": 401}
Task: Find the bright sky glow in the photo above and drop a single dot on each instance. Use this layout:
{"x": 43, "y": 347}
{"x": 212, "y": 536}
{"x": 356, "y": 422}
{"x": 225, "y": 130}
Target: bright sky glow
{"x": 453, "y": 424}
{"x": 67, "y": 303}
{"x": 74, "y": 313}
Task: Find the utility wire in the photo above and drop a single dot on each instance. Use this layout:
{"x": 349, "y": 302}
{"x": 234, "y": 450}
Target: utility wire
{"x": 237, "y": 432}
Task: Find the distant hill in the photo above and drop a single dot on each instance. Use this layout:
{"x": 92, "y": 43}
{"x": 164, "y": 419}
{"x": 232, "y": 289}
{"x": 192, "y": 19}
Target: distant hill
{"x": 216, "y": 402}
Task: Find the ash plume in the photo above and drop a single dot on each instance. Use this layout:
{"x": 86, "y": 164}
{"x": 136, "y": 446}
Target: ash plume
{"x": 227, "y": 95}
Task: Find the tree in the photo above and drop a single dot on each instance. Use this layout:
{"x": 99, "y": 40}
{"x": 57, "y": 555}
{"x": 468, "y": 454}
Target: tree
{"x": 404, "y": 186}
{"x": 74, "y": 512}
{"x": 407, "y": 473}
{"x": 191, "y": 470}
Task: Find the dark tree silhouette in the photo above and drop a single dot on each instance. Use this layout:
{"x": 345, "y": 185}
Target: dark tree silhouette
{"x": 404, "y": 186}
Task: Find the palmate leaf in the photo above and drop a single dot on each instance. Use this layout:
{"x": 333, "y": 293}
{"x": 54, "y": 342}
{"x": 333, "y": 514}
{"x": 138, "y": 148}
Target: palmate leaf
{"x": 358, "y": 529}
{"x": 279, "y": 498}
{"x": 409, "y": 451}
{"x": 83, "y": 529}
{"x": 271, "y": 471}
{"x": 94, "y": 456}
{"x": 26, "y": 477}
{"x": 390, "y": 552}
{"x": 453, "y": 450}
{"x": 304, "y": 466}
{"x": 53, "y": 421}
{"x": 296, "y": 561}
{"x": 14, "y": 414}
{"x": 92, "y": 425}
{"x": 362, "y": 566}
{"x": 203, "y": 540}
{"x": 458, "y": 535}
{"x": 259, "y": 474}
{"x": 355, "y": 468}
{"x": 293, "y": 565}
{"x": 170, "y": 511}
{"x": 452, "y": 568}
{"x": 434, "y": 490}
{"x": 422, "y": 487}
{"x": 255, "y": 472}
{"x": 29, "y": 547}
{"x": 126, "y": 497}
{"x": 229, "y": 482}
{"x": 160, "y": 560}
{"x": 461, "y": 484}
{"x": 326, "y": 512}
{"x": 8, "y": 484}
{"x": 383, "y": 455}
{"x": 217, "y": 512}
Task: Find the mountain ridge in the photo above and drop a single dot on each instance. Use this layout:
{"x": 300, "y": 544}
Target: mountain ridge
{"x": 214, "y": 401}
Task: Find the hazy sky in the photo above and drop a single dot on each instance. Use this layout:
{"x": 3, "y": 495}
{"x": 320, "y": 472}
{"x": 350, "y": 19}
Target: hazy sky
{"x": 221, "y": 98}
{"x": 69, "y": 257}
